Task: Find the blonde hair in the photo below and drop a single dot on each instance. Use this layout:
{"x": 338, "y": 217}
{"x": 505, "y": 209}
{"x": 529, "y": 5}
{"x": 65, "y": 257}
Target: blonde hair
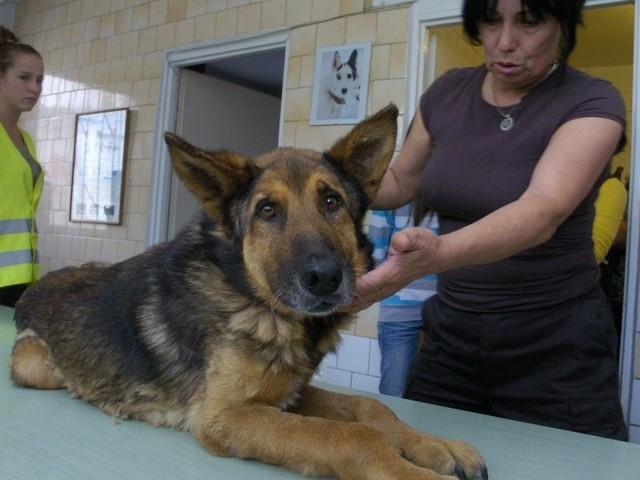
{"x": 10, "y": 45}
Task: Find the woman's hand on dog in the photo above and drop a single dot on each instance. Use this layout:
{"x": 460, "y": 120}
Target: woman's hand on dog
{"x": 412, "y": 255}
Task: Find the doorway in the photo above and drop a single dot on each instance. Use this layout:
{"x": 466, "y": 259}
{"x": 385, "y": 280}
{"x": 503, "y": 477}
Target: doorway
{"x": 232, "y": 103}
{"x": 244, "y": 65}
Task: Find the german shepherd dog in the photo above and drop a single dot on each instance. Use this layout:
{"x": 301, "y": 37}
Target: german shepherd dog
{"x": 219, "y": 331}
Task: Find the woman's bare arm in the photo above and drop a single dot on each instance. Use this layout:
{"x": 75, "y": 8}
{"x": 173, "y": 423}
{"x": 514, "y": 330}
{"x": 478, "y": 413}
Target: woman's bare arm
{"x": 569, "y": 167}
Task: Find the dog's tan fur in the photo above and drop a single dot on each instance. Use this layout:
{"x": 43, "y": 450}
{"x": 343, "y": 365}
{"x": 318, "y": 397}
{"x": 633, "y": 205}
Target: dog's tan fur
{"x": 219, "y": 331}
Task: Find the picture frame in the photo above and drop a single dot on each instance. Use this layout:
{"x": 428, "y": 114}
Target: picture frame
{"x": 99, "y": 164}
{"x": 340, "y": 84}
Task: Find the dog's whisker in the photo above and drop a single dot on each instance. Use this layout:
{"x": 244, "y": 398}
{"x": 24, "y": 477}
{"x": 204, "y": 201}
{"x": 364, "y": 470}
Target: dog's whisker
{"x": 272, "y": 304}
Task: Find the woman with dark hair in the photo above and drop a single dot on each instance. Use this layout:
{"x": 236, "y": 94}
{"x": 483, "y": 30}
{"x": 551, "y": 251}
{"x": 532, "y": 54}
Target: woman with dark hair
{"x": 510, "y": 154}
{"x": 21, "y": 176}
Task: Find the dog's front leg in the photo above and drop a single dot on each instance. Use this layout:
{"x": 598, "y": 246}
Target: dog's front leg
{"x": 312, "y": 446}
{"x": 444, "y": 456}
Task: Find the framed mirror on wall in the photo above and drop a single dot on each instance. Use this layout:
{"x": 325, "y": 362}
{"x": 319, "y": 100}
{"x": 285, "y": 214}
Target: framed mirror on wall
{"x": 98, "y": 166}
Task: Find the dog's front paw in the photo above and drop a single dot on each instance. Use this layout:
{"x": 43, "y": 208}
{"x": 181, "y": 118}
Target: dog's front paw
{"x": 469, "y": 463}
{"x": 447, "y": 457}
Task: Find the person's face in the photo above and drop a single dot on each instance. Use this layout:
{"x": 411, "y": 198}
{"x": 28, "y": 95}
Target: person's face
{"x": 519, "y": 49}
{"x": 21, "y": 84}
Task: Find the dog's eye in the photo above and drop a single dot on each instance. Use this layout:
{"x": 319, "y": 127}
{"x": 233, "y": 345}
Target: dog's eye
{"x": 332, "y": 202}
{"x": 266, "y": 210}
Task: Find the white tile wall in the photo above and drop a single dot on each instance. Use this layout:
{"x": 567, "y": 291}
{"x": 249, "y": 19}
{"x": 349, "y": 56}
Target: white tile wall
{"x": 353, "y": 355}
{"x": 365, "y": 383}
{"x": 356, "y": 364}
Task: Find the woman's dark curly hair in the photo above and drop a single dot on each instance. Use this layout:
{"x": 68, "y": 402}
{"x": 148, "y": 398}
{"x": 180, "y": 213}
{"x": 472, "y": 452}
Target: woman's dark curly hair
{"x": 567, "y": 12}
{"x": 10, "y": 45}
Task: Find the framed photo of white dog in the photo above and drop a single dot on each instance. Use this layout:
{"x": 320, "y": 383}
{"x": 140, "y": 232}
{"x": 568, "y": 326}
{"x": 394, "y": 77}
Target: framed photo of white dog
{"x": 340, "y": 84}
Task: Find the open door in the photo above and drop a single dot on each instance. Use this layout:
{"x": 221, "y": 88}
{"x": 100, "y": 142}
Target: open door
{"x": 215, "y": 113}
{"x": 175, "y": 61}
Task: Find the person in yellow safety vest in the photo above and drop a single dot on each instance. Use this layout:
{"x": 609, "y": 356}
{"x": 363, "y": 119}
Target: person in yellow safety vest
{"x": 21, "y": 176}
{"x": 610, "y": 206}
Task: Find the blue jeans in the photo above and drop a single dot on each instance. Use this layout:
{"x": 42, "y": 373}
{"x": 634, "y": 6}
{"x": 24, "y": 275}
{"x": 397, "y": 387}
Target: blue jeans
{"x": 398, "y": 346}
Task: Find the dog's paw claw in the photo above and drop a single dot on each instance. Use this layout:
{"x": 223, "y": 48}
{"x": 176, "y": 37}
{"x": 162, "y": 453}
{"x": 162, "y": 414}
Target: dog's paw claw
{"x": 460, "y": 473}
{"x": 485, "y": 473}
{"x": 481, "y": 473}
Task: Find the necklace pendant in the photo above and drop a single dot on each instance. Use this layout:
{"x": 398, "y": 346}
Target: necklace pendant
{"x": 506, "y": 123}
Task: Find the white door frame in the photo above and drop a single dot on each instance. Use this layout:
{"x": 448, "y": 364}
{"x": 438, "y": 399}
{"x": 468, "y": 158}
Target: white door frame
{"x": 425, "y": 13}
{"x": 173, "y": 60}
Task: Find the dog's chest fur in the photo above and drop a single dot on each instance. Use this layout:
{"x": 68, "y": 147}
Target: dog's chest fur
{"x": 176, "y": 340}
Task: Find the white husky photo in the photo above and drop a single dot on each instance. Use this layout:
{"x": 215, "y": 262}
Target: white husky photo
{"x": 339, "y": 91}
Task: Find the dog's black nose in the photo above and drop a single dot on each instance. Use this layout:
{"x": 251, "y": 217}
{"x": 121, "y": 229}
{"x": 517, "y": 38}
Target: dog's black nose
{"x": 344, "y": 91}
{"x": 321, "y": 276}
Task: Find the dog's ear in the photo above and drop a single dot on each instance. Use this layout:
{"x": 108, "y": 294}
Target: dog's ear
{"x": 353, "y": 59}
{"x": 366, "y": 151}
{"x": 337, "y": 61}
{"x": 212, "y": 176}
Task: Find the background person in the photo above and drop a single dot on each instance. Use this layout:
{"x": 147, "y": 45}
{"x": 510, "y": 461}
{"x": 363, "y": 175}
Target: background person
{"x": 610, "y": 206}
{"x": 609, "y": 242}
{"x": 510, "y": 154}
{"x": 21, "y": 176}
{"x": 400, "y": 320}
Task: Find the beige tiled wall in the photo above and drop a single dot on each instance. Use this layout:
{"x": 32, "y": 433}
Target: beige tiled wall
{"x": 107, "y": 54}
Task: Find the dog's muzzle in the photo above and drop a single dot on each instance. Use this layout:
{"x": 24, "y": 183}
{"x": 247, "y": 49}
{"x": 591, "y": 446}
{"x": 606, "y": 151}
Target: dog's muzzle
{"x": 318, "y": 286}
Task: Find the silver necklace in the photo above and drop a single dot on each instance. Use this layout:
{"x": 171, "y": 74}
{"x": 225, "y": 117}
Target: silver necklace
{"x": 507, "y": 118}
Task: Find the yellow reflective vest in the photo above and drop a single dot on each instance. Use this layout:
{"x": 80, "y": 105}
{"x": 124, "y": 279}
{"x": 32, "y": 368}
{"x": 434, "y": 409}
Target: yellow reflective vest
{"x": 18, "y": 202}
